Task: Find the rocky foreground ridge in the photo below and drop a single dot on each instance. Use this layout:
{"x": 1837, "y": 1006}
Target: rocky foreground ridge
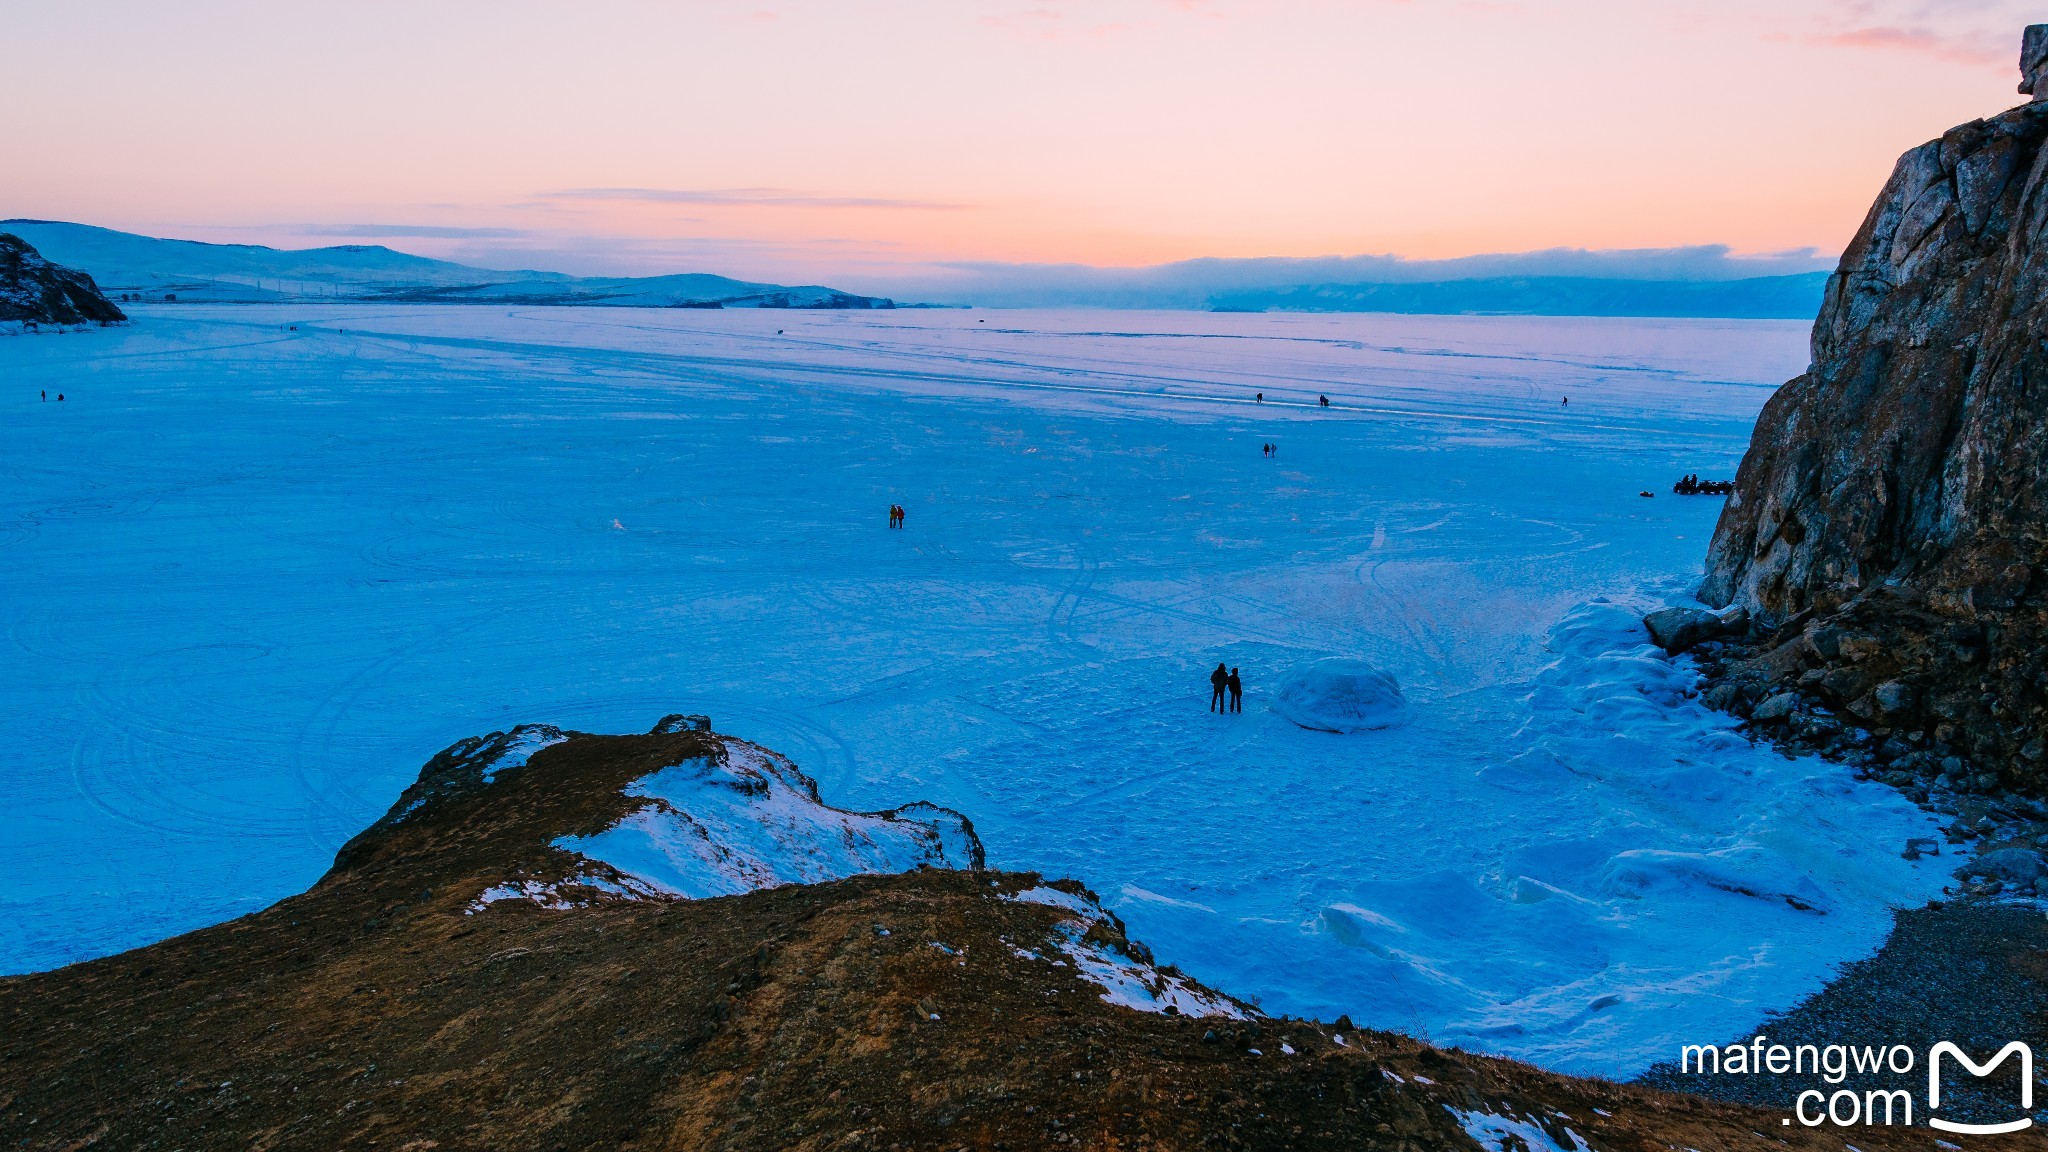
{"x": 35, "y": 291}
{"x": 1889, "y": 526}
{"x": 512, "y": 958}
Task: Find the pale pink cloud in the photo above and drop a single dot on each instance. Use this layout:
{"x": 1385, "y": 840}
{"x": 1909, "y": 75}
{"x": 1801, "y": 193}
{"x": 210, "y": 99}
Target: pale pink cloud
{"x": 1978, "y": 49}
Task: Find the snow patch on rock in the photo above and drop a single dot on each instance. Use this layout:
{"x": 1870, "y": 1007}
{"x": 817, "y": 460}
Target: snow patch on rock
{"x": 748, "y": 819}
{"x": 477, "y": 762}
{"x": 1340, "y": 695}
{"x": 1509, "y": 1134}
{"x": 1125, "y": 980}
{"x": 561, "y": 895}
{"x": 526, "y": 740}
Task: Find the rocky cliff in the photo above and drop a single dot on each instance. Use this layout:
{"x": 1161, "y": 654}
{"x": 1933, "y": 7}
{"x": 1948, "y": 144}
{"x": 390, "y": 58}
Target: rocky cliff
{"x": 558, "y": 941}
{"x": 35, "y": 291}
{"x": 1888, "y": 525}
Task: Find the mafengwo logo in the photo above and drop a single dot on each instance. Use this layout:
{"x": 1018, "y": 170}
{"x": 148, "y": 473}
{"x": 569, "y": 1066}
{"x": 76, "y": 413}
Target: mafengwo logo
{"x": 1847, "y": 1107}
{"x": 2026, "y": 1058}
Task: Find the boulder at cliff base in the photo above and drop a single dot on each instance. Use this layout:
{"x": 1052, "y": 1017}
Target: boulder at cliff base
{"x": 1341, "y": 695}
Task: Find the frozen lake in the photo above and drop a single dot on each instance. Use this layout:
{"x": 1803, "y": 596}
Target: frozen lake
{"x": 251, "y": 578}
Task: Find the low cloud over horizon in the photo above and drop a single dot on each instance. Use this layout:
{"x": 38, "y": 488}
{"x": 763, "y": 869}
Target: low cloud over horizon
{"x": 1195, "y": 283}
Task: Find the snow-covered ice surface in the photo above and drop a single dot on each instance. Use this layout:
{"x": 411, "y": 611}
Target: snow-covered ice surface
{"x": 718, "y": 829}
{"x": 250, "y": 578}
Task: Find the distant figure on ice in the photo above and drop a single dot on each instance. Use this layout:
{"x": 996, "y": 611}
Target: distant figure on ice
{"x": 895, "y": 515}
{"x": 1567, "y": 402}
{"x": 1259, "y": 396}
{"x": 1324, "y": 400}
{"x": 1236, "y": 692}
{"x": 1219, "y": 680}
{"x": 46, "y": 395}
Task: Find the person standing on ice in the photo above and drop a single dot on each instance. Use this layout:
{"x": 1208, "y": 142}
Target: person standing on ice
{"x": 1325, "y": 400}
{"x": 1236, "y": 691}
{"x": 1219, "y": 680}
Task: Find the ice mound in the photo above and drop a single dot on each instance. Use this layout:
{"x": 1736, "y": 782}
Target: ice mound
{"x": 719, "y": 826}
{"x": 1742, "y": 869}
{"x": 1340, "y": 695}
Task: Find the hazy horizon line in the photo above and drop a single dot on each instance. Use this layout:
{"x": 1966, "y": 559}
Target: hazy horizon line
{"x": 1691, "y": 262}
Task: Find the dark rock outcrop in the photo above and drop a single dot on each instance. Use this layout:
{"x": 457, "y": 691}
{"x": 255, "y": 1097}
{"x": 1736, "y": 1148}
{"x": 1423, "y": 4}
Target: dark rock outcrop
{"x": 1890, "y": 520}
{"x": 35, "y": 291}
{"x": 1681, "y": 629}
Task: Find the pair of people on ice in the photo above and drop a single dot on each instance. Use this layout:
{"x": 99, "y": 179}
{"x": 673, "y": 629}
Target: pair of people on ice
{"x": 1225, "y": 681}
{"x": 1268, "y": 449}
{"x": 895, "y": 515}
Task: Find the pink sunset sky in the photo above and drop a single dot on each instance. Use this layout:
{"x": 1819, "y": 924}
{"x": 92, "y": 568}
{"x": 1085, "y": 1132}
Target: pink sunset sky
{"x": 864, "y": 142}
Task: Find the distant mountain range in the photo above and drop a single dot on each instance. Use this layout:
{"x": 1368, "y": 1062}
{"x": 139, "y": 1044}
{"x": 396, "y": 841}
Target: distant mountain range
{"x": 147, "y": 269}
{"x": 1703, "y": 281}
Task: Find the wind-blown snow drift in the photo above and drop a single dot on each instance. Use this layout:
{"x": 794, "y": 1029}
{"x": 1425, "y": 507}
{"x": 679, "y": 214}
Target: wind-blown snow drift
{"x": 1339, "y": 695}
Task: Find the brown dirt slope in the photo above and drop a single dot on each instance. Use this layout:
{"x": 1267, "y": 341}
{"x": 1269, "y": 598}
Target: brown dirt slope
{"x": 378, "y": 1011}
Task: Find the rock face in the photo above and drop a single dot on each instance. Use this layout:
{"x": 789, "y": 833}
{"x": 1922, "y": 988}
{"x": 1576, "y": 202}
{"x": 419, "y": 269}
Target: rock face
{"x": 2034, "y": 62}
{"x": 35, "y": 291}
{"x": 1890, "y": 517}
